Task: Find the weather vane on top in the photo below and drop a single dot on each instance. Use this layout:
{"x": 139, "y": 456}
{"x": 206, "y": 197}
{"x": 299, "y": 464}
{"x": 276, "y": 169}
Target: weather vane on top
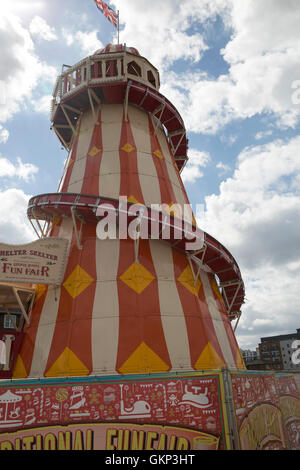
{"x": 111, "y": 15}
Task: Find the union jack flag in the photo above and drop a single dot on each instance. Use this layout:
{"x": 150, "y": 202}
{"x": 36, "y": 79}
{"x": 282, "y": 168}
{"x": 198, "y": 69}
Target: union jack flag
{"x": 110, "y": 14}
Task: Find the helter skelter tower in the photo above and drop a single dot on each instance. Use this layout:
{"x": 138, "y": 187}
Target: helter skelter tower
{"x": 125, "y": 306}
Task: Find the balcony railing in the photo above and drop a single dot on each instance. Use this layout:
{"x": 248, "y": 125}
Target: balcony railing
{"x": 104, "y": 68}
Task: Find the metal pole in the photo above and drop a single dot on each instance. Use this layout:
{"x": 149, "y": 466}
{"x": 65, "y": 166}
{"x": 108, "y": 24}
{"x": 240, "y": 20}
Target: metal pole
{"x": 118, "y": 27}
{"x": 231, "y": 421}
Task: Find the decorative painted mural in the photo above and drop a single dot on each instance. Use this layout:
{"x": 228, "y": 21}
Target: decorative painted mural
{"x": 180, "y": 403}
{"x": 267, "y": 410}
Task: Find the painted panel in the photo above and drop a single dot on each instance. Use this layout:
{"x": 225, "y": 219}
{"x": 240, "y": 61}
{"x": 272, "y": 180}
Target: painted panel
{"x": 189, "y": 407}
{"x": 267, "y": 411}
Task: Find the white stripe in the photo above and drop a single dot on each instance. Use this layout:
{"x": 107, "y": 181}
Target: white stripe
{"x": 172, "y": 315}
{"x": 109, "y": 175}
{"x": 105, "y": 322}
{"x": 48, "y": 317}
{"x": 217, "y": 321}
{"x": 146, "y": 168}
{"x": 85, "y": 136}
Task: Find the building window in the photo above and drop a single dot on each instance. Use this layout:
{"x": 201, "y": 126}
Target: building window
{"x": 151, "y": 78}
{"x": 134, "y": 69}
{"x": 8, "y": 322}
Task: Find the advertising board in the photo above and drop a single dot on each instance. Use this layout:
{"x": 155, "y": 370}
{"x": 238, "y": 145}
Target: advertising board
{"x": 40, "y": 262}
{"x": 161, "y": 413}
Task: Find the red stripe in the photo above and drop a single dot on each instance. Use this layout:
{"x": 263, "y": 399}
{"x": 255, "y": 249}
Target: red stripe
{"x": 30, "y": 332}
{"x": 166, "y": 189}
{"x": 139, "y": 314}
{"x": 200, "y": 328}
{"x": 90, "y": 183}
{"x": 227, "y": 324}
{"x": 130, "y": 183}
{"x": 73, "y": 323}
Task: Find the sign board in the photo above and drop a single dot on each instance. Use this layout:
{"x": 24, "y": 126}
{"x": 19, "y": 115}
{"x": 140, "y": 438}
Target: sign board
{"x": 171, "y": 413}
{"x": 40, "y": 262}
{"x": 108, "y": 436}
{"x": 267, "y": 410}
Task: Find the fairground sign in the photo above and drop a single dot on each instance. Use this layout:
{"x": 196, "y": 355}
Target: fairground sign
{"x": 39, "y": 262}
{"x": 108, "y": 436}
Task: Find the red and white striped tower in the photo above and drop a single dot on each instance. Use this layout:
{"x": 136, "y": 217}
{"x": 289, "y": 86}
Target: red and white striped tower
{"x": 125, "y": 306}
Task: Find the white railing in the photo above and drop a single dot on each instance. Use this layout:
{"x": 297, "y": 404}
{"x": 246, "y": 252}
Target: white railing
{"x": 104, "y": 68}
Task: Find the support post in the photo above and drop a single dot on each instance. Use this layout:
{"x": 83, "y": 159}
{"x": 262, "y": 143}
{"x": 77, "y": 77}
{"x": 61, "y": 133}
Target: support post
{"x": 77, "y": 235}
{"x": 232, "y": 433}
{"x": 21, "y": 305}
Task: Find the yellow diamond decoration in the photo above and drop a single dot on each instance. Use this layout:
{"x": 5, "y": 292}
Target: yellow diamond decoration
{"x": 55, "y": 221}
{"x": 67, "y": 364}
{"x": 143, "y": 359}
{"x": 39, "y": 291}
{"x": 133, "y": 200}
{"x": 137, "y": 277}
{"x": 187, "y": 280}
{"x": 127, "y": 148}
{"x": 173, "y": 209}
{"x": 239, "y": 360}
{"x": 209, "y": 359}
{"x": 77, "y": 282}
{"x": 94, "y": 151}
{"x": 70, "y": 162}
{"x": 194, "y": 221}
{"x": 158, "y": 154}
{"x": 19, "y": 370}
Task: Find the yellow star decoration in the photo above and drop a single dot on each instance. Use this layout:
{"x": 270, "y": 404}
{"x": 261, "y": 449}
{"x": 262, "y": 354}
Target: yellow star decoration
{"x": 127, "y": 148}
{"x": 187, "y": 280}
{"x": 93, "y": 152}
{"x": 77, "y": 282}
{"x": 137, "y": 277}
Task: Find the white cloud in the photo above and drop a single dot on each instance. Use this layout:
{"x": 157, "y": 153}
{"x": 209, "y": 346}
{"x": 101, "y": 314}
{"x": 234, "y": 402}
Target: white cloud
{"x": 42, "y": 105}
{"x": 192, "y": 170}
{"x": 168, "y": 38}
{"x": 24, "y": 171}
{"x": 87, "y": 41}
{"x": 223, "y": 167}
{"x": 21, "y": 71}
{"x": 262, "y": 134}
{"x": 257, "y": 216}
{"x": 263, "y": 57}
{"x": 4, "y": 135}
{"x": 40, "y": 28}
{"x": 14, "y": 226}
{"x": 228, "y": 139}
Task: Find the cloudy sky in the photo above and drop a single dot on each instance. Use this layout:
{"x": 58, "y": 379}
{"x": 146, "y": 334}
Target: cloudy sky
{"x": 232, "y": 69}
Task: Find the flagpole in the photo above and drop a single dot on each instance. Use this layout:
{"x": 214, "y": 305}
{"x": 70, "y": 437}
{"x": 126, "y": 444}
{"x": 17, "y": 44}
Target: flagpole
{"x": 118, "y": 27}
